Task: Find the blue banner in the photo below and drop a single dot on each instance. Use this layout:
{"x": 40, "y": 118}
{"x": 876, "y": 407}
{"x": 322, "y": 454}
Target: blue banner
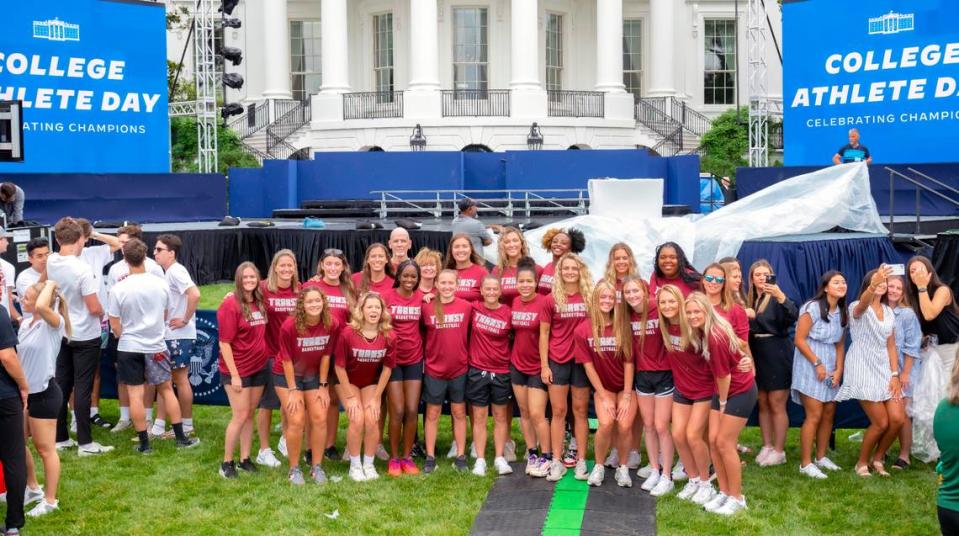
{"x": 92, "y": 78}
{"x": 885, "y": 67}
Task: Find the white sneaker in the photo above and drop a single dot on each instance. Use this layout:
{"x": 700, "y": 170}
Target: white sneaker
{"x": 813, "y": 471}
{"x": 541, "y": 470}
{"x": 92, "y": 449}
{"x": 688, "y": 490}
{"x": 68, "y": 444}
{"x": 663, "y": 487}
{"x": 580, "y": 472}
{"x": 716, "y": 502}
{"x": 775, "y": 458}
{"x": 705, "y": 493}
{"x": 472, "y": 450}
{"x": 479, "y": 467}
{"x": 596, "y": 476}
{"x": 509, "y": 451}
{"x": 634, "y": 460}
{"x": 731, "y": 506}
{"x": 281, "y": 447}
{"x": 645, "y": 471}
{"x": 345, "y": 457}
{"x": 43, "y": 508}
{"x": 121, "y": 425}
{"x": 612, "y": 460}
{"x": 267, "y": 458}
{"x": 502, "y": 466}
{"x": 623, "y": 479}
{"x": 452, "y": 452}
{"x": 381, "y": 453}
{"x": 650, "y": 481}
{"x": 370, "y": 471}
{"x": 556, "y": 471}
{"x": 357, "y": 474}
{"x": 827, "y": 464}
{"x": 761, "y": 457}
{"x": 679, "y": 472}
{"x": 31, "y": 496}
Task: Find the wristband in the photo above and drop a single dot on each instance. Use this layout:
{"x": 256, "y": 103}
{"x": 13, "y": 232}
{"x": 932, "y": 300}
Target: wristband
{"x": 817, "y": 363}
{"x": 923, "y": 289}
{"x": 895, "y": 374}
{"x": 722, "y": 403}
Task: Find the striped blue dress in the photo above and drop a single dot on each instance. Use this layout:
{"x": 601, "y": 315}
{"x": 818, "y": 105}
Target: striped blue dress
{"x": 822, "y": 340}
{"x": 866, "y": 373}
{"x": 908, "y": 341}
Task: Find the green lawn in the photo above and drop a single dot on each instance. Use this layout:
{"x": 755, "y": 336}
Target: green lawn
{"x": 212, "y": 295}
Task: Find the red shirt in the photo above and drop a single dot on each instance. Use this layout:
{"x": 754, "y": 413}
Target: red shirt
{"x": 527, "y": 317}
{"x": 724, "y": 362}
{"x": 335, "y": 300}
{"x": 691, "y": 374}
{"x": 384, "y": 286}
{"x": 656, "y": 283}
{"x": 648, "y": 347}
{"x": 245, "y": 337}
{"x": 447, "y": 338}
{"x": 609, "y": 367}
{"x": 489, "y": 338}
{"x": 279, "y": 306}
{"x": 406, "y": 314}
{"x": 364, "y": 360}
{"x": 545, "y": 285}
{"x": 305, "y": 350}
{"x": 736, "y": 316}
{"x": 468, "y": 282}
{"x": 562, "y": 322}
{"x": 507, "y": 282}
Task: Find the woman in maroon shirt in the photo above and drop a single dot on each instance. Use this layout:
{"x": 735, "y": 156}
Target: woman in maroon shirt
{"x": 301, "y": 377}
{"x": 559, "y": 242}
{"x": 732, "y": 404}
{"x": 672, "y": 268}
{"x": 377, "y": 272}
{"x": 620, "y": 264}
{"x": 242, "y": 329}
{"x": 469, "y": 265}
{"x": 405, "y": 303}
{"x": 365, "y": 357}
{"x": 564, "y": 309}
{"x": 720, "y": 291}
{"x": 447, "y": 328}
{"x": 604, "y": 348}
{"x": 431, "y": 264}
{"x": 512, "y": 248}
{"x": 487, "y": 382}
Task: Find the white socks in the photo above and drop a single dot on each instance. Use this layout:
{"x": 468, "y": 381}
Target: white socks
{"x": 94, "y": 410}
{"x": 354, "y": 462}
{"x": 368, "y": 460}
{"x": 125, "y": 413}
{"x": 149, "y": 414}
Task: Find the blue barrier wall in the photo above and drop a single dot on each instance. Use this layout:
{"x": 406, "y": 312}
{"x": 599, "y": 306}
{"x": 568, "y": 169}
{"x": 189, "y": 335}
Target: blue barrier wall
{"x": 751, "y": 180}
{"x": 144, "y": 198}
{"x": 354, "y": 175}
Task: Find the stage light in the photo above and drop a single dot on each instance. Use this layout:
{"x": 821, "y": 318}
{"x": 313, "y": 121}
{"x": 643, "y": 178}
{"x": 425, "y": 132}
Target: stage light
{"x": 232, "y": 23}
{"x": 534, "y": 140}
{"x": 231, "y": 109}
{"x": 233, "y": 54}
{"x": 228, "y": 6}
{"x": 417, "y": 140}
{"x": 233, "y": 80}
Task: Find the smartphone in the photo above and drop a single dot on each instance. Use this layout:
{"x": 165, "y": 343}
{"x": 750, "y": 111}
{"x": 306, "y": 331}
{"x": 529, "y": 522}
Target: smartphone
{"x": 771, "y": 279}
{"x": 897, "y": 269}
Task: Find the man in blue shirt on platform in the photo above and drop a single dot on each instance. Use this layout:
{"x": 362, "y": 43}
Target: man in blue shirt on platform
{"x": 852, "y": 151}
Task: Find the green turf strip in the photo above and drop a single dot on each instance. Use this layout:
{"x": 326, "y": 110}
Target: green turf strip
{"x": 565, "y": 516}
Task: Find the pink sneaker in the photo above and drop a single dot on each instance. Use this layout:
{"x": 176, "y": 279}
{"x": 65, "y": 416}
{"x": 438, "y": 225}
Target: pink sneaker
{"x": 409, "y": 467}
{"x": 394, "y": 468}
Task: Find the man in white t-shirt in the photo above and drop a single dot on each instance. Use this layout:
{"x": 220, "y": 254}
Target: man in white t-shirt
{"x": 79, "y": 357}
{"x": 181, "y": 325}
{"x": 137, "y": 310}
{"x": 38, "y": 249}
{"x": 8, "y": 276}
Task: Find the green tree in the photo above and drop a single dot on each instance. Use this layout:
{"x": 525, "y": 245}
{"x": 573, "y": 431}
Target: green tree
{"x": 230, "y": 151}
{"x": 726, "y": 144}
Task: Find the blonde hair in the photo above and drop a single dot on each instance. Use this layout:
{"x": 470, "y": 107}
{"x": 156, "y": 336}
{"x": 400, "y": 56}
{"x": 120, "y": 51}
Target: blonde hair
{"x": 726, "y": 300}
{"x": 904, "y": 300}
{"x": 625, "y": 310}
{"x": 59, "y": 304}
{"x": 598, "y": 320}
{"x": 585, "y": 280}
{"x": 610, "y": 271}
{"x": 273, "y": 280}
{"x": 429, "y": 256}
{"x": 757, "y": 301}
{"x": 502, "y": 261}
{"x": 357, "y": 320}
{"x": 299, "y": 313}
{"x": 731, "y": 264}
{"x": 665, "y": 323}
{"x": 714, "y": 325}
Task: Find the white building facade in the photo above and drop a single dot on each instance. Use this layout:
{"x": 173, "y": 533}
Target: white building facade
{"x": 476, "y": 74}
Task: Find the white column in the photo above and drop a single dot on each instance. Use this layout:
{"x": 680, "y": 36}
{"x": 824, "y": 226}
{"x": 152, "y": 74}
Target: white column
{"x": 609, "y": 46}
{"x": 335, "y": 46}
{"x": 276, "y": 50}
{"x": 662, "y": 79}
{"x": 524, "y": 45}
{"x": 424, "y": 46}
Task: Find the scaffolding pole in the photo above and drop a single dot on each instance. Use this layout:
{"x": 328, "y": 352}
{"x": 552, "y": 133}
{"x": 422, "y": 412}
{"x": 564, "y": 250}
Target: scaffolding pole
{"x": 204, "y": 29}
{"x": 756, "y": 74}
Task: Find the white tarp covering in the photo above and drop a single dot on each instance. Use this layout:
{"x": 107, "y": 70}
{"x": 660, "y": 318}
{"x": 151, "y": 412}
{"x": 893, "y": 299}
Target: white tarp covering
{"x": 811, "y": 203}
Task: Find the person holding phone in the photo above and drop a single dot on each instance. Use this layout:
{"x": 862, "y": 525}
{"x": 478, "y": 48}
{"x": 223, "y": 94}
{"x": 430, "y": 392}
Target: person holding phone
{"x": 936, "y": 307}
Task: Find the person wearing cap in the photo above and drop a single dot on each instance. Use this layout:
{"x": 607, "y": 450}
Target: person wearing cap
{"x": 466, "y": 223}
{"x": 11, "y": 201}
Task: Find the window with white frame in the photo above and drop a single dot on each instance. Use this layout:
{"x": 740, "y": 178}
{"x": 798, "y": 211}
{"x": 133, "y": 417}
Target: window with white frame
{"x": 383, "y": 54}
{"x": 554, "y": 51}
{"x": 720, "y": 66}
{"x": 633, "y": 56}
{"x": 305, "y": 64}
{"x": 470, "y": 48}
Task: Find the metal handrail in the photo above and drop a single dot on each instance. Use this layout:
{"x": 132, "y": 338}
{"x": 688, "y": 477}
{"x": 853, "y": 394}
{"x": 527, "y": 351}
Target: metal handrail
{"x": 295, "y": 115}
{"x": 261, "y": 119}
{"x": 940, "y": 183}
{"x": 475, "y": 102}
{"x": 373, "y": 105}
{"x": 433, "y": 203}
{"x": 919, "y": 188}
{"x": 677, "y": 110}
{"x": 565, "y": 103}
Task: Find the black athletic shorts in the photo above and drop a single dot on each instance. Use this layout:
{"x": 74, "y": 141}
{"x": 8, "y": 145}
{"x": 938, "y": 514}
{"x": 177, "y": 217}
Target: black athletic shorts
{"x": 45, "y": 404}
{"x": 436, "y": 390}
{"x": 569, "y": 373}
{"x": 257, "y": 379}
{"x": 269, "y": 400}
{"x": 678, "y": 398}
{"x": 740, "y": 405}
{"x": 131, "y": 368}
{"x": 533, "y": 381}
{"x": 303, "y": 383}
{"x": 654, "y": 383}
{"x": 484, "y": 388}
{"x": 407, "y": 373}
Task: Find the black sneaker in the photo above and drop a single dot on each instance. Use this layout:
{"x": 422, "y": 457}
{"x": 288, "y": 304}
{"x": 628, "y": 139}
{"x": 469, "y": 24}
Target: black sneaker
{"x": 247, "y": 465}
{"x": 331, "y": 453}
{"x": 417, "y": 451}
{"x": 460, "y": 464}
{"x": 97, "y": 420}
{"x": 430, "y": 465}
{"x": 228, "y": 470}
{"x": 140, "y": 449}
{"x": 187, "y": 442}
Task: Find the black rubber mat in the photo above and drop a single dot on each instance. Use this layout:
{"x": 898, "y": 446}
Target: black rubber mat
{"x": 515, "y": 505}
{"x": 612, "y": 510}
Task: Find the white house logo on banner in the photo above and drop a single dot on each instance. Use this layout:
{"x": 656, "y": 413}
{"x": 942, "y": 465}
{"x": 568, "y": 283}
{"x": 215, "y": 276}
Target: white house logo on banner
{"x": 56, "y": 30}
{"x": 892, "y": 23}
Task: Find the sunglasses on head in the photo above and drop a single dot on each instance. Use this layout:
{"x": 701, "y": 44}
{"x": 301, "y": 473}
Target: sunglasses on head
{"x": 332, "y": 251}
{"x": 714, "y": 279}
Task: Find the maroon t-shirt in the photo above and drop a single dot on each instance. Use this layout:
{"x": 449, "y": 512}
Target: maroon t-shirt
{"x": 725, "y": 362}
{"x": 648, "y": 343}
{"x": 247, "y": 338}
{"x": 489, "y": 338}
{"x": 507, "y": 282}
{"x": 609, "y": 367}
{"x": 335, "y": 300}
{"x": 406, "y": 314}
{"x": 305, "y": 350}
{"x": 447, "y": 339}
{"x": 545, "y": 285}
{"x": 656, "y": 283}
{"x": 691, "y": 374}
{"x": 526, "y": 318}
{"x": 562, "y": 322}
{"x": 468, "y": 282}
{"x": 736, "y": 316}
{"x": 279, "y": 306}
{"x": 381, "y": 287}
{"x": 364, "y": 360}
